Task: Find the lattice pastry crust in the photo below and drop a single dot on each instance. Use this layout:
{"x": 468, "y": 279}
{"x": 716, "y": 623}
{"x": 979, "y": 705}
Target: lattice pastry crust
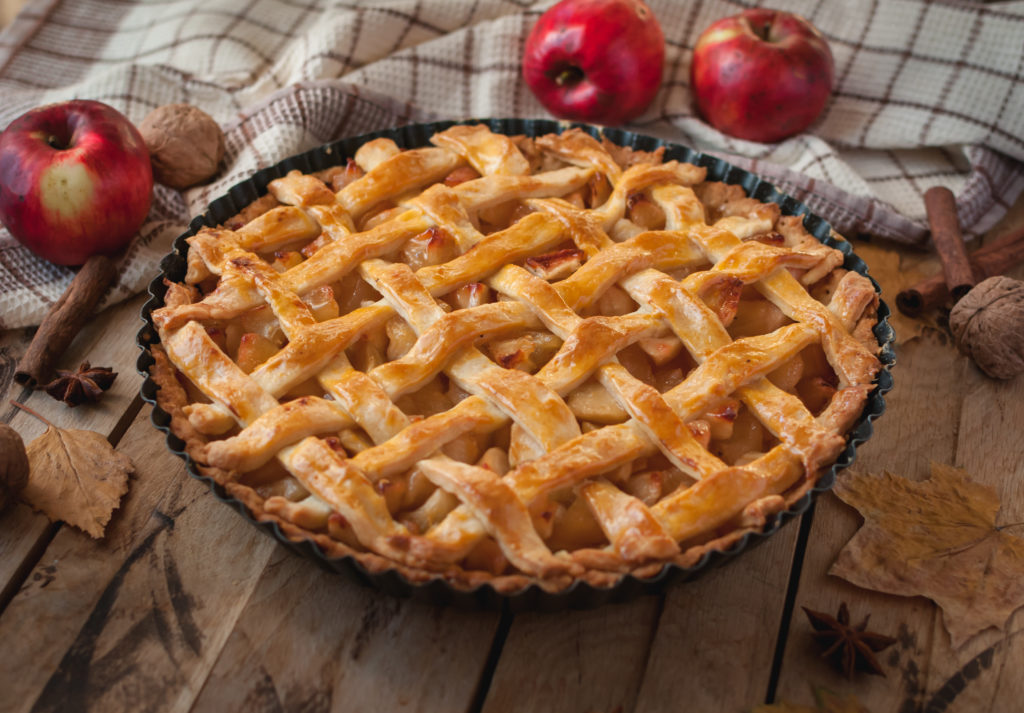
{"x": 513, "y": 360}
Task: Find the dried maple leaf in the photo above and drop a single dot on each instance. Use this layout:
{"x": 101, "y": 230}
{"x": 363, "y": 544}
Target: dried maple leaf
{"x": 936, "y": 538}
{"x": 76, "y": 476}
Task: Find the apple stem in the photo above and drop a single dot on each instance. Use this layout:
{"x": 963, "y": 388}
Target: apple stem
{"x": 763, "y": 32}
{"x": 54, "y": 142}
{"x": 569, "y": 76}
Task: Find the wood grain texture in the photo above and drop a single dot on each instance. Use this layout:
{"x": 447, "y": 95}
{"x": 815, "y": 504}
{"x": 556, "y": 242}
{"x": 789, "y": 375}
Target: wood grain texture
{"x": 13, "y": 343}
{"x": 590, "y": 660}
{"x": 985, "y": 673}
{"x": 134, "y": 621}
{"x": 648, "y": 655}
{"x": 23, "y": 531}
{"x": 943, "y": 410}
{"x": 715, "y": 641}
{"x": 928, "y": 390}
{"x": 310, "y": 640}
{"x": 17, "y": 548}
{"x": 94, "y": 345}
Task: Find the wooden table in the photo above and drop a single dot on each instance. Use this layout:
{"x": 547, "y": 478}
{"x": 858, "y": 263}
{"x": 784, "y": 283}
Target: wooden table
{"x": 184, "y": 606}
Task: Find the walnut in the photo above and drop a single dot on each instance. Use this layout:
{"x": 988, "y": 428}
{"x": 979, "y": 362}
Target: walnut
{"x": 185, "y": 144}
{"x": 13, "y": 465}
{"x": 988, "y": 325}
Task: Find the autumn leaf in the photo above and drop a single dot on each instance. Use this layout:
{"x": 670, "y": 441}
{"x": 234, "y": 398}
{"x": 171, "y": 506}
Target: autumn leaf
{"x": 936, "y": 538}
{"x": 76, "y": 476}
{"x": 826, "y": 701}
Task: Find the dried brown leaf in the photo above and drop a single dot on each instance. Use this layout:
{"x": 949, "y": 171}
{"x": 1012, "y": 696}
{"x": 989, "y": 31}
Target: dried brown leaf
{"x": 76, "y": 476}
{"x": 935, "y": 538}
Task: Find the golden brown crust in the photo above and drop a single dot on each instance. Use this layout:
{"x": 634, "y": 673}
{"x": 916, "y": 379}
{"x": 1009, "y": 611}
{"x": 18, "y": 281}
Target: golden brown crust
{"x": 444, "y": 426}
{"x": 252, "y": 211}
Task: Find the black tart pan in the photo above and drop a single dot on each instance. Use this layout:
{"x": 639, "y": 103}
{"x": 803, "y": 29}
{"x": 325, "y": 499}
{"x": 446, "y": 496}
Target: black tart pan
{"x": 437, "y": 591}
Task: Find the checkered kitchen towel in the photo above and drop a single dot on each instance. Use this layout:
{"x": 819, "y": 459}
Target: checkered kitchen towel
{"x": 928, "y": 93}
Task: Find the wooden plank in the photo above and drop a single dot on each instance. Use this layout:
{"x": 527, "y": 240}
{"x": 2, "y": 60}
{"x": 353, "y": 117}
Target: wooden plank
{"x": 575, "y": 660}
{"x": 119, "y": 631}
{"x": 16, "y": 521}
{"x": 21, "y": 529}
{"x": 922, "y": 418}
{"x": 13, "y": 343}
{"x": 629, "y": 656}
{"x": 715, "y": 642}
{"x": 984, "y": 674}
{"x": 108, "y": 340}
{"x": 313, "y": 640}
{"x": 134, "y": 621}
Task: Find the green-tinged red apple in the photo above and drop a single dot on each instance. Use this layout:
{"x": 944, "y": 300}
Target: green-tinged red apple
{"x": 75, "y": 180}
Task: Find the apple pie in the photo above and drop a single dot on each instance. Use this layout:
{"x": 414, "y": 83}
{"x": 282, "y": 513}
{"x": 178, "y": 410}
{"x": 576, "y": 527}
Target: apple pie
{"x": 514, "y": 360}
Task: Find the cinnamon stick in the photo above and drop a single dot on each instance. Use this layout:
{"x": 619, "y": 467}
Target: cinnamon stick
{"x": 996, "y": 258}
{"x": 64, "y": 319}
{"x": 940, "y": 205}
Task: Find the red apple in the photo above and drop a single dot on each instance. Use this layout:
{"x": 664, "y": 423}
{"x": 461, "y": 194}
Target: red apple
{"x": 75, "y": 180}
{"x": 761, "y": 75}
{"x": 597, "y": 61}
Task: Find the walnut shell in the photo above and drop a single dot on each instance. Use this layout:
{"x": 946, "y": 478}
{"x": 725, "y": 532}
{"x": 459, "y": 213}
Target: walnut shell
{"x": 988, "y": 325}
{"x": 185, "y": 144}
{"x": 13, "y": 465}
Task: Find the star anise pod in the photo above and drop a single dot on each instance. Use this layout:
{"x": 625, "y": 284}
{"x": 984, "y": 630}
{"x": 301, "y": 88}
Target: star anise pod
{"x": 82, "y": 386}
{"x": 849, "y": 648}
